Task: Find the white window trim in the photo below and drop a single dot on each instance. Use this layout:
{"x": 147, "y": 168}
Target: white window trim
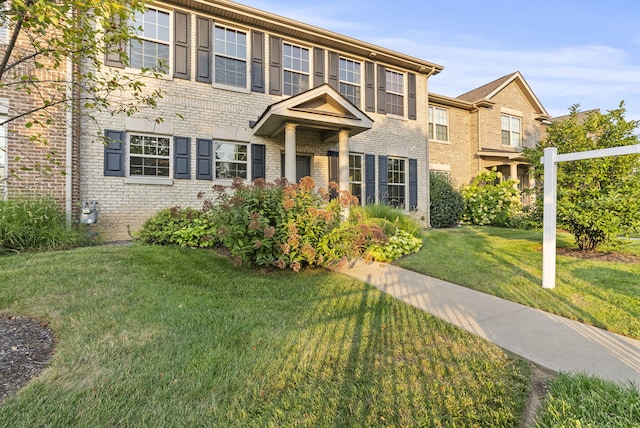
{"x": 406, "y": 178}
{"x": 362, "y": 173}
{"x": 247, "y": 88}
{"x": 359, "y": 85}
{"x": 215, "y": 160}
{"x": 169, "y": 74}
{"x": 309, "y": 74}
{"x": 147, "y": 179}
{"x": 510, "y": 130}
{"x": 403, "y": 94}
{"x": 435, "y": 133}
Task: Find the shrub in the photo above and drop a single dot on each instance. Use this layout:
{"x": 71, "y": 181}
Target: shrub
{"x": 399, "y": 218}
{"x": 447, "y": 204}
{"x": 489, "y": 200}
{"x": 36, "y": 224}
{"x": 398, "y": 245}
{"x": 179, "y": 226}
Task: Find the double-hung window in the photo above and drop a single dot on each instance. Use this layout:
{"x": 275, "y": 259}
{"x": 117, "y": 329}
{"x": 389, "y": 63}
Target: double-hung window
{"x": 355, "y": 175}
{"x": 149, "y": 155}
{"x": 4, "y": 23}
{"x": 231, "y": 160}
{"x": 438, "y": 124}
{"x": 296, "y": 67}
{"x": 511, "y": 131}
{"x": 150, "y": 48}
{"x": 397, "y": 181}
{"x": 230, "y": 57}
{"x": 395, "y": 93}
{"x": 350, "y": 80}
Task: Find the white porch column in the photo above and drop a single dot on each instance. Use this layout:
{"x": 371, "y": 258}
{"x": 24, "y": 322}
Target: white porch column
{"x": 532, "y": 185}
{"x": 290, "y": 152}
{"x": 513, "y": 172}
{"x": 343, "y": 160}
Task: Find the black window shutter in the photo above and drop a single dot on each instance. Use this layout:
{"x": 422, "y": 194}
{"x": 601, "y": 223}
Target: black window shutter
{"x": 112, "y": 55}
{"x": 318, "y": 67}
{"x": 204, "y": 159}
{"x": 382, "y": 88}
{"x": 369, "y": 87}
{"x": 204, "y": 46}
{"x": 182, "y": 157}
{"x": 370, "y": 178}
{"x": 275, "y": 66}
{"x": 412, "y": 96}
{"x": 257, "y": 62}
{"x": 413, "y": 184}
{"x": 334, "y": 69}
{"x": 181, "y": 48}
{"x": 114, "y": 153}
{"x": 258, "y": 161}
{"x": 383, "y": 179}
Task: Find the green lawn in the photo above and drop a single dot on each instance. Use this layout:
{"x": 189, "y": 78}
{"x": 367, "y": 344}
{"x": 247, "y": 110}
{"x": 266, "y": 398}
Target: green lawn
{"x": 508, "y": 263}
{"x": 175, "y": 337}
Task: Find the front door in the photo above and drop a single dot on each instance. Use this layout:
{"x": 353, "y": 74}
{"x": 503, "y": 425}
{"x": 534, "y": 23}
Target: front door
{"x": 303, "y": 166}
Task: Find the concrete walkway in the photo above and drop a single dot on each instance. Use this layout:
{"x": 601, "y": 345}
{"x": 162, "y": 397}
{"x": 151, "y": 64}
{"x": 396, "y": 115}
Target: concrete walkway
{"x": 548, "y": 340}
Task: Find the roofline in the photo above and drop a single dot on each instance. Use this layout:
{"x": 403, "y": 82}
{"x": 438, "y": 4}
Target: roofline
{"x": 518, "y": 75}
{"x": 290, "y": 28}
{"x": 456, "y": 102}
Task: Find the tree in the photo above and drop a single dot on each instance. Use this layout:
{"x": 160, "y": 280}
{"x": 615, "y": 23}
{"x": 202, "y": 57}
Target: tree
{"x": 54, "y": 58}
{"x": 598, "y": 199}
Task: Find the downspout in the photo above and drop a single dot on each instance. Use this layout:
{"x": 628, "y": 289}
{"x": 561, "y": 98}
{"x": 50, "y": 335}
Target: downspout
{"x": 478, "y": 127}
{"x": 428, "y": 207}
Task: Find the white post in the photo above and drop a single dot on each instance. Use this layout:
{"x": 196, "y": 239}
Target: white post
{"x": 343, "y": 160}
{"x": 513, "y": 172}
{"x": 549, "y": 218}
{"x": 290, "y": 152}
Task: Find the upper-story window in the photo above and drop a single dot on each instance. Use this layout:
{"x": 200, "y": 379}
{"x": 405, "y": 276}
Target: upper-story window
{"x": 231, "y": 160}
{"x": 350, "y": 80}
{"x": 438, "y": 124}
{"x": 149, "y": 155}
{"x": 230, "y": 57}
{"x": 296, "y": 69}
{"x": 151, "y": 48}
{"x": 511, "y": 131}
{"x": 395, "y": 93}
{"x": 4, "y": 31}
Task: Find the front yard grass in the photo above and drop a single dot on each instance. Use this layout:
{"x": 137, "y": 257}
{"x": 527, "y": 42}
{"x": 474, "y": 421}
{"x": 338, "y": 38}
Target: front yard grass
{"x": 156, "y": 336}
{"x": 508, "y": 263}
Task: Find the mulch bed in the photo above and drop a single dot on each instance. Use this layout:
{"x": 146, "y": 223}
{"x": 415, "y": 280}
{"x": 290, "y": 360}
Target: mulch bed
{"x": 26, "y": 345}
{"x": 598, "y": 256}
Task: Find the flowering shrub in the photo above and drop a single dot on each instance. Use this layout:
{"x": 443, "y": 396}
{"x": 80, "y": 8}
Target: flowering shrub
{"x": 489, "y": 200}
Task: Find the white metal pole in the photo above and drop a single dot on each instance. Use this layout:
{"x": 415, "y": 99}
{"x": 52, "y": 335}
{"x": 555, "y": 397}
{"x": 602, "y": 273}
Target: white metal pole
{"x": 549, "y": 217}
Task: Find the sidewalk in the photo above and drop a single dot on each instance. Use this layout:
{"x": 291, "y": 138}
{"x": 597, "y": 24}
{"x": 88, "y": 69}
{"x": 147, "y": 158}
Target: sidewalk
{"x": 548, "y": 340}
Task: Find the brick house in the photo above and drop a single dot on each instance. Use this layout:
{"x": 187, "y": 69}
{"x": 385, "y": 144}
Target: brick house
{"x": 485, "y": 128}
{"x": 251, "y": 94}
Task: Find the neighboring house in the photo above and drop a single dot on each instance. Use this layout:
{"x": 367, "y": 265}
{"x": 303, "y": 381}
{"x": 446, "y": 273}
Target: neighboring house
{"x": 250, "y": 94}
{"x": 485, "y": 128}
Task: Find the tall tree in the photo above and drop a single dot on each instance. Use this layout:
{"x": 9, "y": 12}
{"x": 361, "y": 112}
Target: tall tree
{"x": 598, "y": 199}
{"x": 54, "y": 53}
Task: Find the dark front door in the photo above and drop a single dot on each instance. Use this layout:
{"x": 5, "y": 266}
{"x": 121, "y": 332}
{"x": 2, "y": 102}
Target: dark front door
{"x": 303, "y": 166}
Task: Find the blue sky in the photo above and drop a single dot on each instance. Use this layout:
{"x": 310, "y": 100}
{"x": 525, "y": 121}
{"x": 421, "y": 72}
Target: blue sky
{"x": 570, "y": 52}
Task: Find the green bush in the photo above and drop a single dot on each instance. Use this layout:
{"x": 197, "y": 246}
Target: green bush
{"x": 447, "y": 204}
{"x": 398, "y": 245}
{"x": 489, "y": 200}
{"x": 179, "y": 226}
{"x": 399, "y": 218}
{"x": 36, "y": 224}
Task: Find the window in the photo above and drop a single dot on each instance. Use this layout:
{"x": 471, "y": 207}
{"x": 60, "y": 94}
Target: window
{"x": 350, "y": 80}
{"x": 151, "y": 49}
{"x": 355, "y": 176}
{"x": 295, "y": 61}
{"x": 395, "y": 93}
{"x": 230, "y": 57}
{"x": 396, "y": 173}
{"x": 438, "y": 124}
{"x": 149, "y": 155}
{"x": 441, "y": 173}
{"x": 4, "y": 31}
{"x": 511, "y": 131}
{"x": 3, "y": 159}
{"x": 231, "y": 160}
